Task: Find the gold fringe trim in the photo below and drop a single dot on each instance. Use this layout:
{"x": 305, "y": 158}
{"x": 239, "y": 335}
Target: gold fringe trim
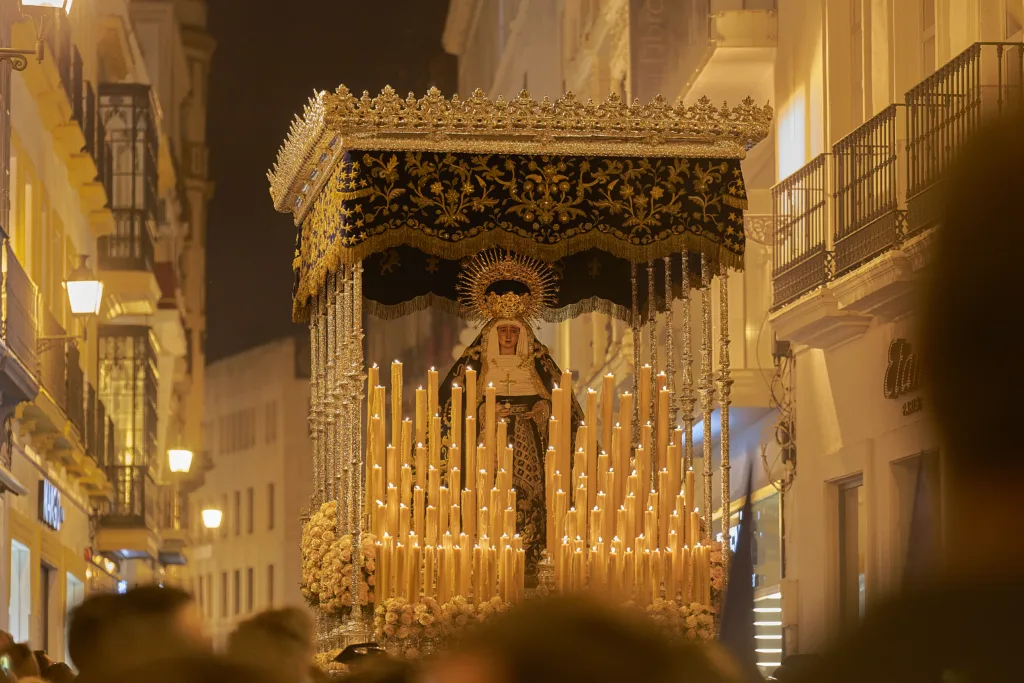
{"x": 313, "y": 280}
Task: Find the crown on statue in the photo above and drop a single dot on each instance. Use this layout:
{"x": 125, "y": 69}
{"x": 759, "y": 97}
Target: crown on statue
{"x": 500, "y": 284}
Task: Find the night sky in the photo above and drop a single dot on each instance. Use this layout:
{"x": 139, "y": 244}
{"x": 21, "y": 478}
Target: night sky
{"x": 266, "y": 66}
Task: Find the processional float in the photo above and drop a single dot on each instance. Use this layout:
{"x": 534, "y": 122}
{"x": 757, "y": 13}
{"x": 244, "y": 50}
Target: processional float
{"x": 504, "y": 483}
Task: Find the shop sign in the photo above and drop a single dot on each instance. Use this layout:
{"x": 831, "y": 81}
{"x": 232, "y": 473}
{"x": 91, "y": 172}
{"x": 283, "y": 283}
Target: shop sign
{"x": 903, "y": 375}
{"x": 51, "y": 511}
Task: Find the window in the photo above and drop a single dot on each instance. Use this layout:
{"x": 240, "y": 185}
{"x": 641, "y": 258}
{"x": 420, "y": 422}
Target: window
{"x": 46, "y": 573}
{"x": 928, "y": 37}
{"x": 270, "y": 585}
{"x": 270, "y": 506}
{"x": 200, "y": 595}
{"x": 852, "y": 546}
{"x": 224, "y": 595}
{"x": 238, "y": 591}
{"x": 918, "y": 489}
{"x": 21, "y": 592}
{"x": 238, "y": 513}
{"x": 270, "y": 433}
{"x": 224, "y": 520}
{"x": 209, "y": 597}
{"x": 251, "y": 495}
{"x": 250, "y": 590}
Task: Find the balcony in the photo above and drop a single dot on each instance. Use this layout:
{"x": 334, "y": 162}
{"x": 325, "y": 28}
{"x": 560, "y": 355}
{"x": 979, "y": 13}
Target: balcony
{"x": 126, "y": 257}
{"x": 845, "y": 256}
{"x": 946, "y": 108}
{"x": 18, "y": 329}
{"x": 174, "y": 526}
{"x": 127, "y": 526}
{"x": 800, "y": 222}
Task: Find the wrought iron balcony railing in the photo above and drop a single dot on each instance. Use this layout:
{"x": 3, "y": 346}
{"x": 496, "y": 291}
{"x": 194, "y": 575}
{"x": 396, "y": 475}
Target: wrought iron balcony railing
{"x": 869, "y": 218}
{"x": 131, "y": 245}
{"x": 20, "y": 308}
{"x": 53, "y": 362}
{"x": 134, "y": 501}
{"x": 74, "y": 405}
{"x": 946, "y": 108}
{"x": 801, "y": 218}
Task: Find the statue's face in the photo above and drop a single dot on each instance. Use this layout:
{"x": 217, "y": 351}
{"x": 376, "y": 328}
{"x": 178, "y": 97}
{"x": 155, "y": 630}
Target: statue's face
{"x": 508, "y": 337}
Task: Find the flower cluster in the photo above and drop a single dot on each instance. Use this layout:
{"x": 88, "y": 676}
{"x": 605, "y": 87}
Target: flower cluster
{"x": 325, "y": 661}
{"x": 327, "y": 564}
{"x": 400, "y": 625}
{"x": 458, "y": 615}
{"x": 692, "y": 622}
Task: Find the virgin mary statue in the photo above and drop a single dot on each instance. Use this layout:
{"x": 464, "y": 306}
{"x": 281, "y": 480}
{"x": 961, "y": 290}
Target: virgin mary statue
{"x": 506, "y": 292}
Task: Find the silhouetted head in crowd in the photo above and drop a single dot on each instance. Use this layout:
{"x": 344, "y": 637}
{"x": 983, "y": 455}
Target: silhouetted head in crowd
{"x": 58, "y": 673}
{"x": 277, "y": 641}
{"x": 110, "y": 633}
{"x": 197, "y": 669}
{"x": 382, "y": 669}
{"x": 575, "y": 639}
{"x": 23, "y": 660}
{"x": 972, "y": 323}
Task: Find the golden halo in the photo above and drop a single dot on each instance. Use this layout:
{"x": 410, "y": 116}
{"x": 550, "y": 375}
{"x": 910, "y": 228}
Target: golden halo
{"x": 495, "y": 266}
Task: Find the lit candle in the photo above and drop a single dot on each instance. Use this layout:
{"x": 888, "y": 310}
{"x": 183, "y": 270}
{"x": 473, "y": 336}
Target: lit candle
{"x": 470, "y": 454}
{"x": 429, "y": 558}
{"x": 432, "y": 392}
{"x": 406, "y": 457}
{"x": 419, "y": 498}
{"x": 444, "y": 509}
{"x": 396, "y": 403}
{"x": 565, "y": 447}
{"x": 431, "y": 533}
{"x": 435, "y": 442}
{"x": 421, "y": 415}
{"x": 662, "y": 423}
{"x": 590, "y": 446}
{"x": 645, "y": 394}
{"x": 404, "y": 520}
{"x": 695, "y": 534}
{"x": 469, "y": 515}
{"x": 470, "y": 401}
{"x": 626, "y": 420}
{"x": 407, "y": 484}
{"x": 413, "y": 575}
{"x": 421, "y": 466}
{"x": 394, "y": 476}
{"x": 607, "y": 410}
{"x": 455, "y": 429}
{"x": 490, "y": 410}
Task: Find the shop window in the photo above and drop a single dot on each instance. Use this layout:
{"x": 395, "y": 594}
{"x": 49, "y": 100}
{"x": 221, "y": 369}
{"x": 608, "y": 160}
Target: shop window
{"x": 46, "y": 580}
{"x": 20, "y": 608}
{"x": 852, "y": 546}
{"x": 75, "y": 595}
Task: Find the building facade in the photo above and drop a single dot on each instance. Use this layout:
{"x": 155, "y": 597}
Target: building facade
{"x": 869, "y": 97}
{"x": 868, "y": 119}
{"x": 257, "y": 404}
{"x": 104, "y": 157}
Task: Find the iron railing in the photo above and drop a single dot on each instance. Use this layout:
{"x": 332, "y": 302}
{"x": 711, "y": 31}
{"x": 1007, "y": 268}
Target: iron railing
{"x": 77, "y": 86}
{"x": 19, "y": 309}
{"x": 109, "y": 442}
{"x": 131, "y": 245}
{"x": 89, "y": 122}
{"x": 52, "y": 362}
{"x": 75, "y": 390}
{"x": 128, "y": 387}
{"x": 134, "y": 496}
{"x": 946, "y": 108}
{"x": 800, "y": 217}
{"x": 868, "y": 219}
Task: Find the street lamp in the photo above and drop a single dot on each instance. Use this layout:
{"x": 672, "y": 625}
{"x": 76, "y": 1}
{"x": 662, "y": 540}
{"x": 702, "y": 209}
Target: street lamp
{"x": 212, "y": 518}
{"x": 85, "y": 295}
{"x": 180, "y": 460}
{"x": 85, "y": 292}
{"x": 45, "y": 10}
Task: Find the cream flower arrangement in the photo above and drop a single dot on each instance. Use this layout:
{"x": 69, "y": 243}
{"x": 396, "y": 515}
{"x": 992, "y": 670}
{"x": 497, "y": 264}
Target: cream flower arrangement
{"x": 691, "y": 622}
{"x": 459, "y": 615}
{"x": 401, "y": 626}
{"x": 327, "y": 564}
{"x": 717, "y": 577}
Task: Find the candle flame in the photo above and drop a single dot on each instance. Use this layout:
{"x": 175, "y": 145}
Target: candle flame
{"x": 455, "y": 385}
{"x": 432, "y": 369}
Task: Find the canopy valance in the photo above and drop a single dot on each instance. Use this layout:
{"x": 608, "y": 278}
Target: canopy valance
{"x": 412, "y": 187}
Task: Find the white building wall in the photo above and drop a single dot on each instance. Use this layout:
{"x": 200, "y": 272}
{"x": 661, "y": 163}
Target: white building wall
{"x": 256, "y": 407}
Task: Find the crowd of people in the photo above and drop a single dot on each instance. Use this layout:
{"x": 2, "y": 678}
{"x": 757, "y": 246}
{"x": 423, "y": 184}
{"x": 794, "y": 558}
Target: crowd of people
{"x": 964, "y": 626}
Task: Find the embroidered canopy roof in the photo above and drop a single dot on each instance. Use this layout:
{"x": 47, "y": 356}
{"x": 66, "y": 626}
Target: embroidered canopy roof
{"x": 412, "y": 187}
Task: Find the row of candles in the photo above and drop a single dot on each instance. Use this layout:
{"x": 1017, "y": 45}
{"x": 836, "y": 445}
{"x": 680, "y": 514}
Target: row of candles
{"x": 617, "y": 528}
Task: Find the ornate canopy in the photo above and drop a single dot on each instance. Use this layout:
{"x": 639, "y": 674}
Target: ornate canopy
{"x": 412, "y": 187}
